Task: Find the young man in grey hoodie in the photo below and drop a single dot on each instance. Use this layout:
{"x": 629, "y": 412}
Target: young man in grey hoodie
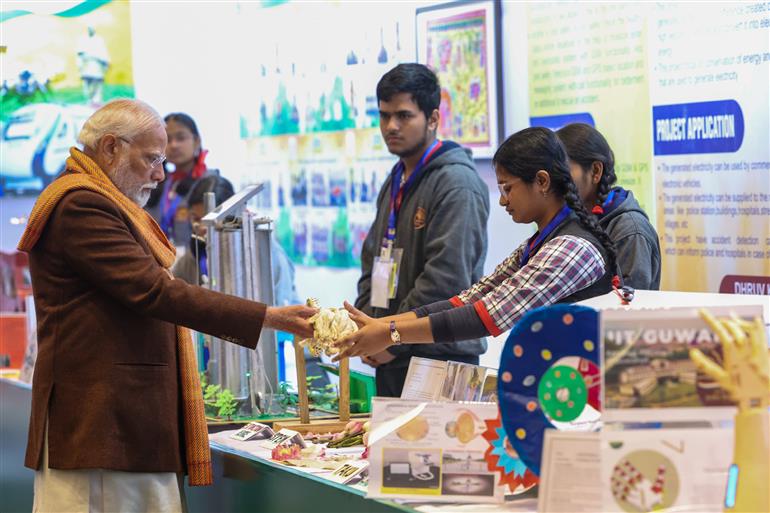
{"x": 431, "y": 215}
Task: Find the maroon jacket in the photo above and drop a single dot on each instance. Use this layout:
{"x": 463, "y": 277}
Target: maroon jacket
{"x": 106, "y": 375}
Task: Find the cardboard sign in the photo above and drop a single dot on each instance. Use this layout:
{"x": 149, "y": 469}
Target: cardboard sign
{"x": 252, "y": 430}
{"x": 283, "y": 437}
{"x": 347, "y": 471}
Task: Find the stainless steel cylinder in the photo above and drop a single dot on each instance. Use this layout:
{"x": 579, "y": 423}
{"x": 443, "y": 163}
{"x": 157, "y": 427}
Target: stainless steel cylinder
{"x": 238, "y": 245}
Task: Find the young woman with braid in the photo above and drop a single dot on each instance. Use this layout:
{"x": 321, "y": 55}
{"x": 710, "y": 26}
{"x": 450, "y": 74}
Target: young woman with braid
{"x": 569, "y": 259}
{"x": 592, "y": 164}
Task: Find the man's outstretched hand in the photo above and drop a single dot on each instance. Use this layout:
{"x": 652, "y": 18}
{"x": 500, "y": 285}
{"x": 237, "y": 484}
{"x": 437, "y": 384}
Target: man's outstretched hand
{"x": 291, "y": 318}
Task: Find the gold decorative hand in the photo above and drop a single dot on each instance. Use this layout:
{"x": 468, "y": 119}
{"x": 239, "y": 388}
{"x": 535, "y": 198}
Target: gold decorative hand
{"x": 746, "y": 376}
{"x": 746, "y": 370}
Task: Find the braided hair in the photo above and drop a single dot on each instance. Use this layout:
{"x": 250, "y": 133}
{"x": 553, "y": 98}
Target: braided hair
{"x": 586, "y": 145}
{"x": 526, "y": 152}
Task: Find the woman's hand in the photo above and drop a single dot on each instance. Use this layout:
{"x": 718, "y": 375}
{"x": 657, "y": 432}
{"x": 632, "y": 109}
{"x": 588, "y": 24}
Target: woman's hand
{"x": 378, "y": 359}
{"x": 372, "y": 338}
{"x": 359, "y": 317}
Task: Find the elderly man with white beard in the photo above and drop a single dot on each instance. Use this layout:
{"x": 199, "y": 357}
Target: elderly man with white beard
{"x": 117, "y": 410}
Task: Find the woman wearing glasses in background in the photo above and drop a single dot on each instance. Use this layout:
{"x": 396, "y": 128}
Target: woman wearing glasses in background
{"x": 569, "y": 259}
{"x": 185, "y": 164}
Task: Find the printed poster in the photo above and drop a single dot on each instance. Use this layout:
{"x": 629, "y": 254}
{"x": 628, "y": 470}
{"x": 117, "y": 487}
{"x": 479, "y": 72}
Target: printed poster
{"x": 665, "y": 469}
{"x": 458, "y": 44}
{"x": 310, "y": 121}
{"x": 436, "y": 455}
{"x": 647, "y": 370}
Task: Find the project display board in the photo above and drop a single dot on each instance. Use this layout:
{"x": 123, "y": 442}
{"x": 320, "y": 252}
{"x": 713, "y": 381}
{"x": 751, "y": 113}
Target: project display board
{"x": 431, "y": 451}
{"x": 649, "y": 375}
{"x": 682, "y": 93}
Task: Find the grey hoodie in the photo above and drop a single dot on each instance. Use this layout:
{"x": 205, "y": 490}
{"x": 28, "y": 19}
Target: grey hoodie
{"x": 442, "y": 227}
{"x": 637, "y": 244}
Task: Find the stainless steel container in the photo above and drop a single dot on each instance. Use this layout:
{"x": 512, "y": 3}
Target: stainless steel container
{"x": 238, "y": 248}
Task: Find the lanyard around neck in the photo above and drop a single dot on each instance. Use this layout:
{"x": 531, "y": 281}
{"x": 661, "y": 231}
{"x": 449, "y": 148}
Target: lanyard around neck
{"x": 398, "y": 190}
{"x": 537, "y": 239}
{"x": 168, "y": 215}
{"x": 600, "y": 210}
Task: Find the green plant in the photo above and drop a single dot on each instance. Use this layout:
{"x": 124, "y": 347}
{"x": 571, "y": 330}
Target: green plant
{"x": 287, "y": 395}
{"x": 226, "y": 403}
{"x": 211, "y": 393}
{"x": 324, "y": 397}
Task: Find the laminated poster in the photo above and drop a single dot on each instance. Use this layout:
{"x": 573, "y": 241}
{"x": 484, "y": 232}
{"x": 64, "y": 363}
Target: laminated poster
{"x": 436, "y": 455}
{"x": 647, "y": 371}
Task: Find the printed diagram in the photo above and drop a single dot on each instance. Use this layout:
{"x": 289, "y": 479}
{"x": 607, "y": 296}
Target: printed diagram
{"x": 644, "y": 481}
{"x": 465, "y": 473}
{"x": 413, "y": 469}
{"x": 469, "y": 462}
{"x": 465, "y": 427}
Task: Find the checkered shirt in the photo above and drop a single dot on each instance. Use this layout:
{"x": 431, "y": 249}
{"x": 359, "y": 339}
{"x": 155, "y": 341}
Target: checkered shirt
{"x": 561, "y": 267}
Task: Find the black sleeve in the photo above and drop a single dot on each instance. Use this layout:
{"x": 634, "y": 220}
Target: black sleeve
{"x": 438, "y": 306}
{"x": 461, "y": 323}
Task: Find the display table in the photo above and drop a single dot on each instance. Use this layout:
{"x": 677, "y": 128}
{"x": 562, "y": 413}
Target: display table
{"x": 243, "y": 479}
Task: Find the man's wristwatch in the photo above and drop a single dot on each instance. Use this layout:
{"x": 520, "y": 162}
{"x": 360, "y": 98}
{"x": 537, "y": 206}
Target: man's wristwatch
{"x": 395, "y": 336}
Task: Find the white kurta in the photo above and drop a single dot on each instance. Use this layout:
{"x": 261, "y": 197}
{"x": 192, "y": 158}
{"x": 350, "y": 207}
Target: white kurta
{"x": 103, "y": 491}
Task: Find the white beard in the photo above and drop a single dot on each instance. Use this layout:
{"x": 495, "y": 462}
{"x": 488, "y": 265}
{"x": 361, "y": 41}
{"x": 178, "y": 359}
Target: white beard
{"x": 131, "y": 185}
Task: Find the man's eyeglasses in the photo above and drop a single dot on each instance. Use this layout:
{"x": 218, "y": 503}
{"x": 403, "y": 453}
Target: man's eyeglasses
{"x": 152, "y": 160}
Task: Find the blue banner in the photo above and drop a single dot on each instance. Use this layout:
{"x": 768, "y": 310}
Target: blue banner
{"x": 692, "y": 128}
{"x": 560, "y": 120}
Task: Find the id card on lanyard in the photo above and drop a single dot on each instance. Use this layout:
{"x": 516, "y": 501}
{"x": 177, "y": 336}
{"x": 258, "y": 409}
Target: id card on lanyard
{"x": 387, "y": 265}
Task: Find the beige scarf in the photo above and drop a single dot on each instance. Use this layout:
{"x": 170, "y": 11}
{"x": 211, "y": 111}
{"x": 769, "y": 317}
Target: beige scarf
{"x": 85, "y": 174}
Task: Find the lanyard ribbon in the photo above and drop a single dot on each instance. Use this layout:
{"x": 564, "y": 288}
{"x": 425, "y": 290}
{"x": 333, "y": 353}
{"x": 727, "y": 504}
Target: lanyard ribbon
{"x": 609, "y": 199}
{"x": 168, "y": 213}
{"x": 614, "y": 199}
{"x": 538, "y": 238}
{"x": 203, "y": 266}
{"x": 398, "y": 191}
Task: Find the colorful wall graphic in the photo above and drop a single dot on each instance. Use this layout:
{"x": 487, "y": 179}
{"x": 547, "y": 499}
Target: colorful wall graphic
{"x": 311, "y": 124}
{"x": 52, "y": 83}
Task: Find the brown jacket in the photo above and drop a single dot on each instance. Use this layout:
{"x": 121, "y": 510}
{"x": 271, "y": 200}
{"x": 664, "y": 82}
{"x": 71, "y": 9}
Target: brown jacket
{"x": 106, "y": 376}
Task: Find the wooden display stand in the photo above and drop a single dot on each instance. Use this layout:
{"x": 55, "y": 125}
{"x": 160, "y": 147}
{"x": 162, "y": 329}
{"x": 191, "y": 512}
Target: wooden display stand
{"x": 318, "y": 426}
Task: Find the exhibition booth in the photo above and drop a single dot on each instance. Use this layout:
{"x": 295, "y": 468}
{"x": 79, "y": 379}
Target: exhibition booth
{"x": 629, "y": 401}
